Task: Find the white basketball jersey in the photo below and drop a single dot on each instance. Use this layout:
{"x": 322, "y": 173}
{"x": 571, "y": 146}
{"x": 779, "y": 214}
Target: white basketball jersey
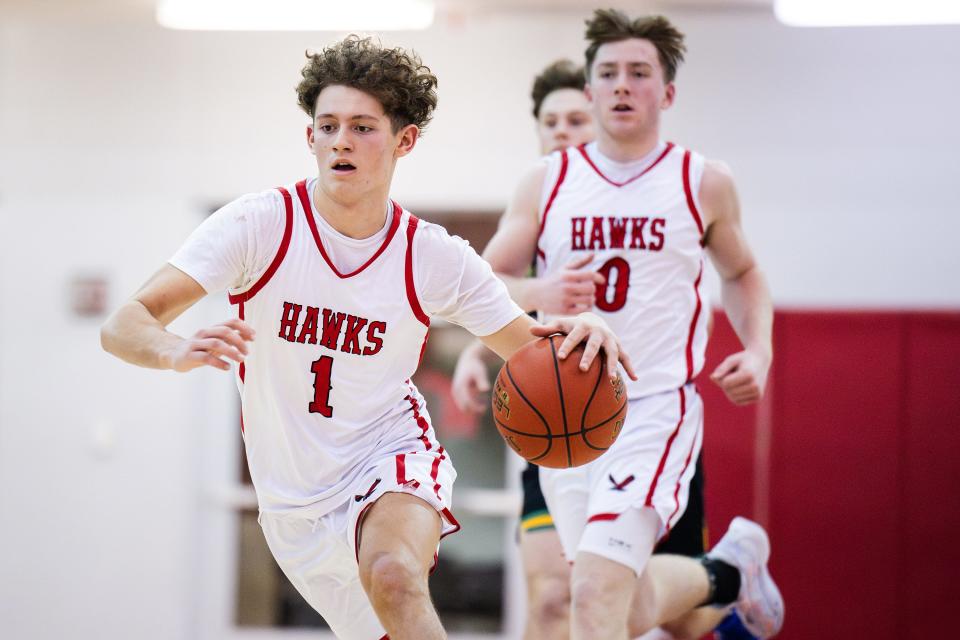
{"x": 327, "y": 380}
{"x": 645, "y": 234}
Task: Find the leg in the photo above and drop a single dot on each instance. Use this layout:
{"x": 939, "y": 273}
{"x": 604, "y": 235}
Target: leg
{"x": 397, "y": 541}
{"x": 610, "y": 555}
{"x": 601, "y": 590}
{"x": 545, "y": 566}
{"x": 548, "y": 585}
{"x": 670, "y": 587}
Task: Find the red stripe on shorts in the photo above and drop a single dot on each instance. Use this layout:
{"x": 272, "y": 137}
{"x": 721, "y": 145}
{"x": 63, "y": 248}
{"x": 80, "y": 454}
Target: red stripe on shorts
{"x": 602, "y": 516}
{"x": 676, "y": 491}
{"x": 421, "y": 422}
{"x": 666, "y": 451}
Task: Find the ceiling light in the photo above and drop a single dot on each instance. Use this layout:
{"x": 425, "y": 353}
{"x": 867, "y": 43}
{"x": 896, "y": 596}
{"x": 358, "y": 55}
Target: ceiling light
{"x": 295, "y": 15}
{"x": 850, "y": 13}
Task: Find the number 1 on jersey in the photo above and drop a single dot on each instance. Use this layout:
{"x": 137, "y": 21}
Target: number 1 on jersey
{"x": 321, "y": 386}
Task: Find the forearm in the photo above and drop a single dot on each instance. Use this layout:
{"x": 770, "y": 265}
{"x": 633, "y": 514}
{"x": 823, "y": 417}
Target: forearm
{"x": 746, "y": 300}
{"x": 508, "y": 340}
{"x": 134, "y": 335}
{"x": 523, "y": 289}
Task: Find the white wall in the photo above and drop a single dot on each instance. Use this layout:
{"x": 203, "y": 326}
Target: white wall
{"x": 117, "y": 136}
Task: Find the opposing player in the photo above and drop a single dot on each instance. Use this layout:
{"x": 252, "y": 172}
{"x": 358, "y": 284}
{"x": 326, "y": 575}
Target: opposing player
{"x": 338, "y": 284}
{"x": 645, "y": 212}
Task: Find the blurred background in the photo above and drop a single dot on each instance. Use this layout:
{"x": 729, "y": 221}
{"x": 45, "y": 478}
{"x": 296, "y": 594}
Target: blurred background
{"x": 125, "y": 509}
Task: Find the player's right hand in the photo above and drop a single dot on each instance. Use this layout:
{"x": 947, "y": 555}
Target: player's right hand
{"x": 211, "y": 346}
{"x": 470, "y": 386}
{"x": 570, "y": 290}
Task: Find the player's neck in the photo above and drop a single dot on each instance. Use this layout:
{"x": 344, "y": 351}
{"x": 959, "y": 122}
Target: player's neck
{"x": 357, "y": 219}
{"x": 627, "y": 150}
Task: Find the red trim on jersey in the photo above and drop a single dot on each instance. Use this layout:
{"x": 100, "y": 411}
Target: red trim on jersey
{"x": 676, "y": 491}
{"x": 600, "y": 517}
{"x": 435, "y": 470}
{"x": 666, "y": 451}
{"x": 688, "y": 191}
{"x": 277, "y": 259}
{"x": 385, "y": 637}
{"x": 564, "y": 162}
{"x": 583, "y": 151}
{"x": 408, "y": 276}
{"x": 693, "y": 323}
{"x": 308, "y": 212}
{"x": 243, "y": 367}
{"x": 421, "y": 422}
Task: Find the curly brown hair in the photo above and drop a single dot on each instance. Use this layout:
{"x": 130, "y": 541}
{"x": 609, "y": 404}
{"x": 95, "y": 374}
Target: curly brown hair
{"x": 396, "y": 78}
{"x": 610, "y": 25}
{"x": 562, "y": 74}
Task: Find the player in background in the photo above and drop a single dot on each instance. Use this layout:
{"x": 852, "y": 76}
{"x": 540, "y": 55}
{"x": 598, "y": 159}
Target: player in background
{"x": 647, "y": 213}
{"x": 564, "y": 119}
{"x": 335, "y": 285}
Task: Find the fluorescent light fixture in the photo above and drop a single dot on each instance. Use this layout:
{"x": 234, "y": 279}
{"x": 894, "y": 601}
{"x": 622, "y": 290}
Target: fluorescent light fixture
{"x": 295, "y": 15}
{"x": 855, "y": 13}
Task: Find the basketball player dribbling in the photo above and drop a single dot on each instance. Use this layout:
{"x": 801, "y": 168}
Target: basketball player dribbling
{"x": 338, "y": 284}
{"x": 646, "y": 212}
{"x": 564, "y": 119}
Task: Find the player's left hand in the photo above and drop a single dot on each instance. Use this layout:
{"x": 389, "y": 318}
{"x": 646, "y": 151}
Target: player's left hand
{"x": 591, "y": 329}
{"x": 742, "y": 376}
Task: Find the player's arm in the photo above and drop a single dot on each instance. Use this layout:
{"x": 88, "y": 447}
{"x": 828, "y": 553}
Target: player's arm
{"x": 137, "y": 333}
{"x": 586, "y": 327}
{"x": 513, "y": 247}
{"x": 746, "y": 297}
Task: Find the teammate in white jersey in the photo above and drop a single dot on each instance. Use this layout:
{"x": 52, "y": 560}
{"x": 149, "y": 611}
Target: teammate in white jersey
{"x": 645, "y": 212}
{"x": 563, "y": 117}
{"x": 339, "y": 283}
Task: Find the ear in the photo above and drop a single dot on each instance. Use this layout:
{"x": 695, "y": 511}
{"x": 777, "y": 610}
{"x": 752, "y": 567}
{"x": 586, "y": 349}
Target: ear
{"x": 588, "y": 91}
{"x": 310, "y": 137}
{"x": 668, "y": 96}
{"x": 407, "y": 140}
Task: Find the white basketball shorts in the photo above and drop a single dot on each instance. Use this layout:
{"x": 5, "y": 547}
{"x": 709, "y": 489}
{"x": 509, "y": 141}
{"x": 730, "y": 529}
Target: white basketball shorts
{"x": 649, "y": 467}
{"x": 319, "y": 555}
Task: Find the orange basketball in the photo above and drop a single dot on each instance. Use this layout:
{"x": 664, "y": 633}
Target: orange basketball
{"x": 552, "y": 413}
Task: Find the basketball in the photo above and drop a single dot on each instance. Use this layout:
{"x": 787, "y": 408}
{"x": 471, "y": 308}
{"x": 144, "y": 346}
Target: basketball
{"x": 552, "y": 413}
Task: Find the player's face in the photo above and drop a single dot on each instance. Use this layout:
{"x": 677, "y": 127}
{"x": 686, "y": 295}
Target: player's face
{"x": 627, "y": 88}
{"x": 354, "y": 142}
{"x": 565, "y": 120}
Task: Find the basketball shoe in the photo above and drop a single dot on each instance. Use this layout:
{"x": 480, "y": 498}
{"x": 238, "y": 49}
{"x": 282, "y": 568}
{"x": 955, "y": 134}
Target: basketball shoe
{"x": 760, "y": 606}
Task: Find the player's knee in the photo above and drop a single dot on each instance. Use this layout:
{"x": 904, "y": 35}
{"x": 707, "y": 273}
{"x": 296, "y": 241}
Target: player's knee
{"x": 642, "y": 617}
{"x": 593, "y": 599}
{"x": 391, "y": 578}
{"x": 549, "y": 600}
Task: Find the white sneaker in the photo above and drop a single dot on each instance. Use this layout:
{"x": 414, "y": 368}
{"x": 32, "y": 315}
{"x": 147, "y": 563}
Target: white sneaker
{"x": 745, "y": 545}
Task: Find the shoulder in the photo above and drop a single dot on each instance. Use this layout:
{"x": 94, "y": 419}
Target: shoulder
{"x": 718, "y": 193}
{"x": 433, "y": 239}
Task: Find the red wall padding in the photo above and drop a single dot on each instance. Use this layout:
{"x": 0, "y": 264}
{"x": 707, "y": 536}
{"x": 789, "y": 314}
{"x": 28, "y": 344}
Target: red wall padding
{"x": 855, "y": 479}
